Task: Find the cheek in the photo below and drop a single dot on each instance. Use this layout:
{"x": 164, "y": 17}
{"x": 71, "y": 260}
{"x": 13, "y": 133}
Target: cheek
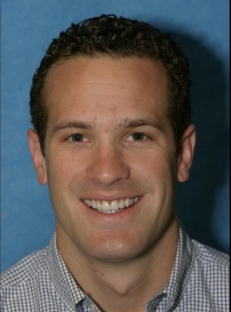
{"x": 155, "y": 166}
{"x": 60, "y": 169}
{"x": 62, "y": 160}
{"x": 159, "y": 174}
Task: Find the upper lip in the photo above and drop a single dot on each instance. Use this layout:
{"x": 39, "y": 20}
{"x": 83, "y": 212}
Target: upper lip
{"x": 108, "y": 197}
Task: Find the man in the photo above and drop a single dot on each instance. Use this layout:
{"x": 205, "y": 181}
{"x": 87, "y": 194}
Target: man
{"x": 110, "y": 105}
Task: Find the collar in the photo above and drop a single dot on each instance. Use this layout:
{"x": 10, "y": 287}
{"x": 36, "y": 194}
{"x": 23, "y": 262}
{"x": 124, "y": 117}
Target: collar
{"x": 181, "y": 272}
{"x": 62, "y": 279}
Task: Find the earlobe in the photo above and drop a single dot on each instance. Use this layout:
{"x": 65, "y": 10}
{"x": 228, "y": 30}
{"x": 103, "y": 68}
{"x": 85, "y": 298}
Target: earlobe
{"x": 186, "y": 152}
{"x": 37, "y": 156}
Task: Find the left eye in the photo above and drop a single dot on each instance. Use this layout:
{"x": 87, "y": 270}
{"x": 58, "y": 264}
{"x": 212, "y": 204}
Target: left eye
{"x": 137, "y": 136}
{"x": 77, "y": 137}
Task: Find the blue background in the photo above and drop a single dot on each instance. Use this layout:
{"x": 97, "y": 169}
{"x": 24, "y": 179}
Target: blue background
{"x": 201, "y": 28}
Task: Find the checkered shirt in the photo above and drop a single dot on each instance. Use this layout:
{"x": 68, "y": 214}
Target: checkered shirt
{"x": 41, "y": 282}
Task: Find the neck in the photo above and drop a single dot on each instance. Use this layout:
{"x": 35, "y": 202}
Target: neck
{"x": 123, "y": 286}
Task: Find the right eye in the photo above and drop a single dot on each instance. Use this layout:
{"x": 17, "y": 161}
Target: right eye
{"x": 137, "y": 137}
{"x": 77, "y": 137}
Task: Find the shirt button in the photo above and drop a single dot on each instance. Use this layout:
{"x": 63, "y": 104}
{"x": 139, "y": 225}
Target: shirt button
{"x": 93, "y": 308}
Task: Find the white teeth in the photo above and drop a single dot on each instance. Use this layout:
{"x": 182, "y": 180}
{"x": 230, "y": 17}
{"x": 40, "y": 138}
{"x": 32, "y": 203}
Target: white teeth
{"x": 127, "y": 200}
{"x": 105, "y": 206}
{"x": 121, "y": 204}
{"x": 113, "y": 207}
{"x": 98, "y": 204}
{"x": 94, "y": 204}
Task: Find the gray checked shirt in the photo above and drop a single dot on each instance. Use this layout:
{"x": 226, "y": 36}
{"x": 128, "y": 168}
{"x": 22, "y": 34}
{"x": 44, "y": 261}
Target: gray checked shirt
{"x": 41, "y": 282}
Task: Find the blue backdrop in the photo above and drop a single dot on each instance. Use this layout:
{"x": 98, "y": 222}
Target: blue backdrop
{"x": 200, "y": 27}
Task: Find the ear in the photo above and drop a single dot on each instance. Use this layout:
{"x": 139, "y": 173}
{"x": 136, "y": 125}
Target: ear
{"x": 37, "y": 156}
{"x": 185, "y": 153}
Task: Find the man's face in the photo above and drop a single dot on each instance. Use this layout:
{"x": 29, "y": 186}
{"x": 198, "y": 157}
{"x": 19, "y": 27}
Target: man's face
{"x": 110, "y": 157}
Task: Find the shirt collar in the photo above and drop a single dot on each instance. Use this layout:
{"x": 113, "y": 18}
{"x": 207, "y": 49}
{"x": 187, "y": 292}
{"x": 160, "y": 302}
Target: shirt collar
{"x": 181, "y": 271}
{"x": 71, "y": 293}
{"x": 63, "y": 280}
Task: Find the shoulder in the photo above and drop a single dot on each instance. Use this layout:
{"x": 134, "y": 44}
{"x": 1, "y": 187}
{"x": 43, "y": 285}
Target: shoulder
{"x": 25, "y": 270}
{"x": 29, "y": 285}
{"x": 210, "y": 278}
{"x": 210, "y": 257}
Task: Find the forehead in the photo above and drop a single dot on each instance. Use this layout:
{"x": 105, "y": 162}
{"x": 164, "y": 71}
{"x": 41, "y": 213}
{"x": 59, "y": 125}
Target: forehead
{"x": 105, "y": 82}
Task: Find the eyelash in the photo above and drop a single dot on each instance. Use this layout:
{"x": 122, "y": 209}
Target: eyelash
{"x": 139, "y": 133}
{"x": 71, "y": 137}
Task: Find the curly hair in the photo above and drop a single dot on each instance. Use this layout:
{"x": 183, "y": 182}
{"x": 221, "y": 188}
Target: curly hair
{"x": 113, "y": 36}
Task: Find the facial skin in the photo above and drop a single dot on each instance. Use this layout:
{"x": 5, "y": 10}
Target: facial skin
{"x": 108, "y": 138}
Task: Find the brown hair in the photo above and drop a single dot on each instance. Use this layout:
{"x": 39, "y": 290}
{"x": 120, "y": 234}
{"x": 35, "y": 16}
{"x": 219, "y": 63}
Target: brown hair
{"x": 117, "y": 37}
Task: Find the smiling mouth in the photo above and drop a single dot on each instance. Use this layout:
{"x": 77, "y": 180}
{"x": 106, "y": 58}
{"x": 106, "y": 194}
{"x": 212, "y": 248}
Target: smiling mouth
{"x": 112, "y": 206}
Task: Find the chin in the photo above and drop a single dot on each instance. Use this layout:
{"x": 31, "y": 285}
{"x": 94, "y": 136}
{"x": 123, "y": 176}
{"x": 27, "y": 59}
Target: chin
{"x": 117, "y": 251}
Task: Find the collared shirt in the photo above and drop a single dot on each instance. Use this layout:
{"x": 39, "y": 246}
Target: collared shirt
{"x": 199, "y": 282}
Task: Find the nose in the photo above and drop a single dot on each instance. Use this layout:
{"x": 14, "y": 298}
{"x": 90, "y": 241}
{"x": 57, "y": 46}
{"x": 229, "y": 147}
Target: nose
{"x": 107, "y": 166}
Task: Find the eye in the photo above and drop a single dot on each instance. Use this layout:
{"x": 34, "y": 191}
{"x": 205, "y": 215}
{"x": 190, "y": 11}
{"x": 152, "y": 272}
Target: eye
{"x": 137, "y": 136}
{"x": 77, "y": 137}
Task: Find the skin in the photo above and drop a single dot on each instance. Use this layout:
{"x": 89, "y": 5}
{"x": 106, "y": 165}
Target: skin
{"x": 120, "y": 260}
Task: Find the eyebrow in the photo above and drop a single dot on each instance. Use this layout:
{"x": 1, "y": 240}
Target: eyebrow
{"x": 124, "y": 124}
{"x": 134, "y": 123}
{"x": 72, "y": 124}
